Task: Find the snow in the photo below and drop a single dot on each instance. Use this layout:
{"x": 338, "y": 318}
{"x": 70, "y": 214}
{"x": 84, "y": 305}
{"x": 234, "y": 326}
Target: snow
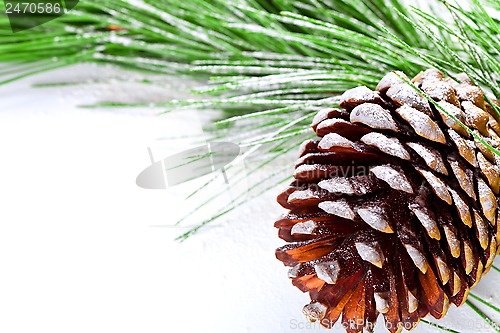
{"x": 453, "y": 242}
{"x": 462, "y": 207}
{"x": 451, "y": 110}
{"x": 339, "y": 208}
{"x": 381, "y": 302}
{"x": 465, "y": 147}
{"x": 431, "y": 157}
{"x": 422, "y": 124}
{"x": 487, "y": 199}
{"x": 464, "y": 177}
{"x": 426, "y": 220}
{"x": 337, "y": 185}
{"x": 370, "y": 252}
{"x": 391, "y": 79}
{"x": 373, "y": 115}
{"x": 334, "y": 140}
{"x": 417, "y": 257}
{"x": 359, "y": 94}
{"x": 327, "y": 271}
{"x": 437, "y": 185}
{"x": 394, "y": 178}
{"x": 304, "y": 228}
{"x": 406, "y": 95}
{"x": 376, "y": 218}
{"x": 302, "y": 195}
{"x": 390, "y": 146}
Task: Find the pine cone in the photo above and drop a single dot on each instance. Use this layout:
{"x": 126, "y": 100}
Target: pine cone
{"x": 394, "y": 209}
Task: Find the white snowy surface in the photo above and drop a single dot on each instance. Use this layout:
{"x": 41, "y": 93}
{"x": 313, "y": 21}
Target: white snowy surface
{"x": 83, "y": 249}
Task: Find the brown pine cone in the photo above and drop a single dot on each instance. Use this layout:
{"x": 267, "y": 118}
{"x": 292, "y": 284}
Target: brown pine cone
{"x": 394, "y": 209}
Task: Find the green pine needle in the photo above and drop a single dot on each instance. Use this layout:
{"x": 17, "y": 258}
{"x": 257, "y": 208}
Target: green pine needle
{"x": 491, "y": 306}
{"x": 490, "y": 322}
{"x": 442, "y": 328}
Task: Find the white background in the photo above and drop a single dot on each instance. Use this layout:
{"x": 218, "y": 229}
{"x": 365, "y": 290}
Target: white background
{"x": 82, "y": 248}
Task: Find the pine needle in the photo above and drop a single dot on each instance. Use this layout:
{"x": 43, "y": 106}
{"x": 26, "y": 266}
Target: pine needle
{"x": 490, "y": 322}
{"x": 442, "y": 328}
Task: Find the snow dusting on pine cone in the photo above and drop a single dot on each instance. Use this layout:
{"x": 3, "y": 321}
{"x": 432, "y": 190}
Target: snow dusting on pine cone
{"x": 393, "y": 209}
